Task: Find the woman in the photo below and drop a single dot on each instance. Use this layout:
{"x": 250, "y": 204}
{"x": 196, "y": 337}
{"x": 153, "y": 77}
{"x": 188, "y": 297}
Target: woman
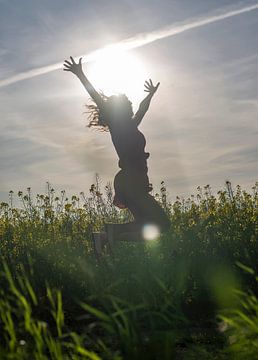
{"x": 131, "y": 183}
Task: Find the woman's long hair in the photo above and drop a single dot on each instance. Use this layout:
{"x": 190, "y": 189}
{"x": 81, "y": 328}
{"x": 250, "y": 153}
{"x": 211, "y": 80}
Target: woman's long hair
{"x": 100, "y": 119}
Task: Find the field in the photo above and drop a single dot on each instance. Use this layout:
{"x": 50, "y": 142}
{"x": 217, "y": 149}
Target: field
{"x": 192, "y": 294}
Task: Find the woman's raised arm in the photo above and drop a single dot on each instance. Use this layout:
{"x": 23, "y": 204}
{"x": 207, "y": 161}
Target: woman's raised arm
{"x": 144, "y": 105}
{"x": 77, "y": 70}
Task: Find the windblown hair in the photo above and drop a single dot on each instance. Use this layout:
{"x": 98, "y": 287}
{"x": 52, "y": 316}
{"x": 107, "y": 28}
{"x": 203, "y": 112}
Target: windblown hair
{"x": 94, "y": 116}
{"x": 99, "y": 119}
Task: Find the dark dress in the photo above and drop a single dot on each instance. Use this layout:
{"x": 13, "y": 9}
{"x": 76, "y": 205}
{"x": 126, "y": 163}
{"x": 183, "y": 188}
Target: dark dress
{"x": 131, "y": 183}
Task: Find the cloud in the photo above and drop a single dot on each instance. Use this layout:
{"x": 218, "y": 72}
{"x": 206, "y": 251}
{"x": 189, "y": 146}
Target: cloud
{"x": 245, "y": 155}
{"x": 136, "y": 41}
{"x": 206, "y": 132}
{"x": 199, "y": 123}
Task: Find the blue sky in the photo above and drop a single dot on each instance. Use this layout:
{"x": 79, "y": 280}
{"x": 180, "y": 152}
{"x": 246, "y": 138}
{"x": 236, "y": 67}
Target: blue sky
{"x": 202, "y": 126}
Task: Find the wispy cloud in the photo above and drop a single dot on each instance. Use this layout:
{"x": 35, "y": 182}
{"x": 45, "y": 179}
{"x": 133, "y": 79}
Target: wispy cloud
{"x": 137, "y": 41}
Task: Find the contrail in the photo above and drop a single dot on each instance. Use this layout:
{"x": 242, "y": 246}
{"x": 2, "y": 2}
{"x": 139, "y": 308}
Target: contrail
{"x": 133, "y": 42}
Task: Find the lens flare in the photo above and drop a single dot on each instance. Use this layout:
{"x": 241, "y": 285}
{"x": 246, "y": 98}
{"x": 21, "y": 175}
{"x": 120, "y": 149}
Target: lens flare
{"x": 150, "y": 232}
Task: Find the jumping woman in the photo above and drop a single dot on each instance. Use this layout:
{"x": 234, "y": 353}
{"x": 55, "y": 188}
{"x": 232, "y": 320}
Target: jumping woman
{"x": 131, "y": 183}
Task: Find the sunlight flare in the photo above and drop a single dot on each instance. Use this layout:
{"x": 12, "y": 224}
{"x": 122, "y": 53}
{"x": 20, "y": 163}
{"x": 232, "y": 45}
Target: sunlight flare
{"x": 117, "y": 71}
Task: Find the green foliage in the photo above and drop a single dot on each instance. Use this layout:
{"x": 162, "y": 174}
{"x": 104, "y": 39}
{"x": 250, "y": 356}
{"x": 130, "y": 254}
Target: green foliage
{"x": 23, "y": 334}
{"x": 241, "y": 323}
{"x": 158, "y": 299}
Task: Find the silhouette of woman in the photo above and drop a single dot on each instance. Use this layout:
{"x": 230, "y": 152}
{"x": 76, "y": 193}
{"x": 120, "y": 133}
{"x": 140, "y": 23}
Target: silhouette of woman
{"x": 131, "y": 183}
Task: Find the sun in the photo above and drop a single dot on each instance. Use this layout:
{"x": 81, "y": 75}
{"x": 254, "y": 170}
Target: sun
{"x": 118, "y": 71}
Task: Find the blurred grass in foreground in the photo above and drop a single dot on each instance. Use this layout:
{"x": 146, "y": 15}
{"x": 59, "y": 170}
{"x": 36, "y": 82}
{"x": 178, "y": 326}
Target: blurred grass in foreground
{"x": 163, "y": 299}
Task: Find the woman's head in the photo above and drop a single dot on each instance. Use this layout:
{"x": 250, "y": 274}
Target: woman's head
{"x": 118, "y": 109}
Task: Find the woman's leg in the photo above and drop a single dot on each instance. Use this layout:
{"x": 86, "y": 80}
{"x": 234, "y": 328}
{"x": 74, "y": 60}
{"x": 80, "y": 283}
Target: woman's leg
{"x": 127, "y": 231}
{"x": 144, "y": 208}
{"x": 146, "y": 211}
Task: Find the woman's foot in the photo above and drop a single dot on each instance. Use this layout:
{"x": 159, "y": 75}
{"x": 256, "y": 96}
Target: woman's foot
{"x": 109, "y": 228}
{"x": 99, "y": 241}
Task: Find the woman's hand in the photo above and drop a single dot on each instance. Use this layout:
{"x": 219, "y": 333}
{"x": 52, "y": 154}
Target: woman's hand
{"x": 150, "y": 88}
{"x": 77, "y": 70}
{"x": 73, "y": 67}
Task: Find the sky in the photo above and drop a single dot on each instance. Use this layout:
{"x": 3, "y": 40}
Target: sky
{"x": 202, "y": 124}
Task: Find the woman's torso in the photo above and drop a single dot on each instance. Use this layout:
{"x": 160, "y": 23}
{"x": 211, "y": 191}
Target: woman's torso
{"x": 130, "y": 143}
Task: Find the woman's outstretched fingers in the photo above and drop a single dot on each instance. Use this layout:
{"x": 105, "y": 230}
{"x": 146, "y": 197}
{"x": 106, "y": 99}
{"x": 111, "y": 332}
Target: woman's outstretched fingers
{"x": 67, "y": 66}
{"x": 149, "y": 87}
{"x": 72, "y": 66}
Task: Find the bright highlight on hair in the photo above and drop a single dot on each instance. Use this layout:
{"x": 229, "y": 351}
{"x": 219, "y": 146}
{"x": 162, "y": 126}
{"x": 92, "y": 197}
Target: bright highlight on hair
{"x": 150, "y": 232}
